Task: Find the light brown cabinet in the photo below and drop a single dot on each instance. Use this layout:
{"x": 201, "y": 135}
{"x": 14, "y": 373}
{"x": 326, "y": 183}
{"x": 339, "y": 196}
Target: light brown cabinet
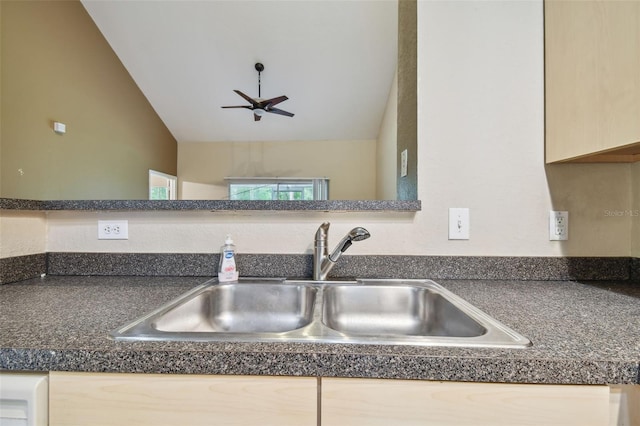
{"x": 174, "y": 399}
{"x": 592, "y": 81}
{"x": 171, "y": 399}
{"x": 372, "y": 402}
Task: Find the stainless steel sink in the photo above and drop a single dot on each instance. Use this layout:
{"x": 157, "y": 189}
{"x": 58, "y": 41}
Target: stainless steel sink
{"x": 396, "y": 312}
{"x": 386, "y": 310}
{"x": 242, "y": 308}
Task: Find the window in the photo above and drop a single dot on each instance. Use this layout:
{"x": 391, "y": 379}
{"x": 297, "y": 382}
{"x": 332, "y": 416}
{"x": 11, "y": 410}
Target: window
{"x": 278, "y": 188}
{"x": 162, "y": 186}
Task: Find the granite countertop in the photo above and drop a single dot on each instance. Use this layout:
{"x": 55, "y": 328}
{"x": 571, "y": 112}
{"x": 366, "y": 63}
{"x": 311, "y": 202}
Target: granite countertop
{"x": 212, "y": 205}
{"x": 581, "y": 334}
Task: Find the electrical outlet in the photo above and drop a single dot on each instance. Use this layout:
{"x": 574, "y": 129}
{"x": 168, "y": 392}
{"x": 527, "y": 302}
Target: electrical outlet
{"x": 113, "y": 229}
{"x": 558, "y": 226}
{"x": 458, "y": 224}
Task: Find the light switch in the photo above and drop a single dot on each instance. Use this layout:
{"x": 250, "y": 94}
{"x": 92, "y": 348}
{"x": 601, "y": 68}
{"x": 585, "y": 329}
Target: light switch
{"x": 458, "y": 223}
{"x": 404, "y": 163}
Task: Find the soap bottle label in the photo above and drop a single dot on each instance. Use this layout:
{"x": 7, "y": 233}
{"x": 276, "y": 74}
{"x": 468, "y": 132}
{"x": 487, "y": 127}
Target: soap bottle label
{"x": 228, "y": 270}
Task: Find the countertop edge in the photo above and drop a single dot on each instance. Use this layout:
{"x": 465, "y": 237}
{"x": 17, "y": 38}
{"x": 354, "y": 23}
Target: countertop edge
{"x": 314, "y": 364}
{"x": 214, "y": 205}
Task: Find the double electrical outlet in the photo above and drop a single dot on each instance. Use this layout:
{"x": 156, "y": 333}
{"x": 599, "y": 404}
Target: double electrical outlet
{"x": 558, "y": 225}
{"x": 113, "y": 229}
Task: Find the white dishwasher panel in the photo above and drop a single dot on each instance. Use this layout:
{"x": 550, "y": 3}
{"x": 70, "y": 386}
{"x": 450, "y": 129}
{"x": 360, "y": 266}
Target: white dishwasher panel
{"x": 24, "y": 399}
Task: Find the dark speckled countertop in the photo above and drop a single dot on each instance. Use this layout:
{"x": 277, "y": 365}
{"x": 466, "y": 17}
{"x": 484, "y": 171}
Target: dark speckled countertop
{"x": 581, "y": 334}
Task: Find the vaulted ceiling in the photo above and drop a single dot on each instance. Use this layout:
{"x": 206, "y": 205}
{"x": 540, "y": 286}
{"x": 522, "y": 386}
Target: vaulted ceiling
{"x": 335, "y": 60}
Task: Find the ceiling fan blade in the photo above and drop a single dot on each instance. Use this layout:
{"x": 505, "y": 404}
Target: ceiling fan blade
{"x": 247, "y": 98}
{"x": 280, "y": 112}
{"x": 256, "y": 117}
{"x": 238, "y": 106}
{"x": 274, "y": 101}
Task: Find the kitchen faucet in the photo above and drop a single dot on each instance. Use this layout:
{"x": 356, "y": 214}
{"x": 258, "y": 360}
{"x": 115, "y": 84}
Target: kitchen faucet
{"x": 323, "y": 262}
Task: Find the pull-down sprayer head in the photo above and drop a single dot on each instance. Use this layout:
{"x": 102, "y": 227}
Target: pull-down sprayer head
{"x": 322, "y": 261}
{"x": 356, "y": 234}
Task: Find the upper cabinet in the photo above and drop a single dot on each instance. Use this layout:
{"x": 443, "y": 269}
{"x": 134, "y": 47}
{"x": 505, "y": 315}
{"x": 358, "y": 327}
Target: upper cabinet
{"x": 592, "y": 81}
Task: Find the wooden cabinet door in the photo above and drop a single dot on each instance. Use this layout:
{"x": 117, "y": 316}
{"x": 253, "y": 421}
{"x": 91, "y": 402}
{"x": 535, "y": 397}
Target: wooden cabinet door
{"x": 170, "y": 399}
{"x": 592, "y": 80}
{"x": 371, "y": 402}
{"x": 624, "y": 405}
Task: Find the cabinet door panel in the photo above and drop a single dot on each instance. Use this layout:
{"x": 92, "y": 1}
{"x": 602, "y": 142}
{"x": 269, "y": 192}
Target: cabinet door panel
{"x": 625, "y": 405}
{"x": 168, "y": 399}
{"x": 592, "y": 80}
{"x": 372, "y": 402}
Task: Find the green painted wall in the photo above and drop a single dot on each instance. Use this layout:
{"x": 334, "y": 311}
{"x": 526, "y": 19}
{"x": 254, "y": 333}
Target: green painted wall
{"x": 57, "y": 66}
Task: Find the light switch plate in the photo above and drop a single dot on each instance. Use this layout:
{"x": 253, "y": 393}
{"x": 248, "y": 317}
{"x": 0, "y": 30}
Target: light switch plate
{"x": 458, "y": 223}
{"x": 404, "y": 163}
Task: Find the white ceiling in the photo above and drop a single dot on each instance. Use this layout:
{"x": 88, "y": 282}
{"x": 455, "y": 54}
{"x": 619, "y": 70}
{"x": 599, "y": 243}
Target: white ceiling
{"x": 335, "y": 60}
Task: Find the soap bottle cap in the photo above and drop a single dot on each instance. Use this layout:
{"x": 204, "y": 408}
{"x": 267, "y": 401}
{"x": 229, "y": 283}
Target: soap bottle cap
{"x": 228, "y": 240}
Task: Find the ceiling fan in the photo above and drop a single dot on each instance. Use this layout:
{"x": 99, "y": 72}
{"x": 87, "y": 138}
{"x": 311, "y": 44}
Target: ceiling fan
{"x": 258, "y": 105}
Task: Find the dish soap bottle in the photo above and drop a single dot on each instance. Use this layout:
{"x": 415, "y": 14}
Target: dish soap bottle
{"x": 227, "y": 271}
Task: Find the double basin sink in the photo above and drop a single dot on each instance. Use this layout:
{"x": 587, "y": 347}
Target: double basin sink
{"x": 368, "y": 311}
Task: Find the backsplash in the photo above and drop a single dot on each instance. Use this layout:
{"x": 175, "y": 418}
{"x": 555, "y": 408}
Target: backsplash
{"x": 634, "y": 269}
{"x": 20, "y": 268}
{"x": 301, "y": 266}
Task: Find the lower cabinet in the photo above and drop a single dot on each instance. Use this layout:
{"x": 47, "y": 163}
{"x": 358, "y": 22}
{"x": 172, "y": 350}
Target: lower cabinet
{"x": 169, "y": 399}
{"x": 373, "y": 402}
{"x": 173, "y": 399}
{"x": 625, "y": 405}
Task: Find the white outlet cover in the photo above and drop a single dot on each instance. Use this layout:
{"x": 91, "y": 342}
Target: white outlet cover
{"x": 458, "y": 223}
{"x": 113, "y": 229}
{"x": 558, "y": 225}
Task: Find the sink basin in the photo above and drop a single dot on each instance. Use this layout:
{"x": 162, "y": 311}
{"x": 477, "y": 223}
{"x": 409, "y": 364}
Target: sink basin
{"x": 241, "y": 308}
{"x": 390, "y": 312}
{"x": 386, "y": 310}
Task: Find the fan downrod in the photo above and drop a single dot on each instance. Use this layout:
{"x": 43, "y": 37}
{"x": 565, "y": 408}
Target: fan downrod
{"x": 259, "y": 68}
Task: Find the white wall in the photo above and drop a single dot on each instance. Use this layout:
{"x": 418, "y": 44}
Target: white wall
{"x": 22, "y": 233}
{"x": 481, "y": 144}
{"x": 481, "y": 139}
